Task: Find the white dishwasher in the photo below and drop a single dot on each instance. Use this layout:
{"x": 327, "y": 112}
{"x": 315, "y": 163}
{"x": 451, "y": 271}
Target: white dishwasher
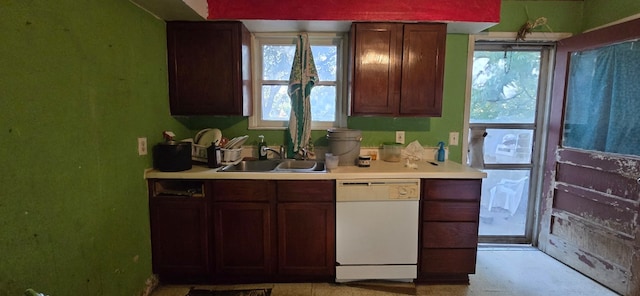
{"x": 377, "y": 229}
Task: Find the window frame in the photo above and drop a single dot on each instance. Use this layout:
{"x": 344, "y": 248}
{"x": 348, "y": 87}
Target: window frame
{"x": 260, "y": 39}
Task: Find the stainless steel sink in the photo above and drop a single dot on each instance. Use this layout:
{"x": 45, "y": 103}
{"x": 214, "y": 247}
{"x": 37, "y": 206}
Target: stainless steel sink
{"x": 277, "y": 165}
{"x": 252, "y": 166}
{"x": 297, "y": 165}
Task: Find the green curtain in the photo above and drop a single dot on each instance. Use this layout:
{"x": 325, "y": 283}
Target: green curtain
{"x": 302, "y": 79}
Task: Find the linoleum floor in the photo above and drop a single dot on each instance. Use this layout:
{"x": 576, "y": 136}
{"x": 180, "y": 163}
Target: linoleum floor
{"x": 500, "y": 271}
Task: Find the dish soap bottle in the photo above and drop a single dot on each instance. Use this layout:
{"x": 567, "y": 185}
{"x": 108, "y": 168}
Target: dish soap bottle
{"x": 441, "y": 152}
{"x": 262, "y": 154}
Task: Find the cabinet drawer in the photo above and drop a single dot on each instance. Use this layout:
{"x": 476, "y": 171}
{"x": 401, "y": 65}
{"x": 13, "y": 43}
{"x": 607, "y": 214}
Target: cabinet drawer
{"x": 311, "y": 191}
{"x": 243, "y": 190}
{"x": 451, "y": 189}
{"x": 448, "y": 261}
{"x": 450, "y": 211}
{"x": 449, "y": 235}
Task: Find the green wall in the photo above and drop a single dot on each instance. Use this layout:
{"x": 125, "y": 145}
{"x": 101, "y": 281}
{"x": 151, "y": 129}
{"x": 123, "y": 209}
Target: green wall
{"x": 602, "y": 12}
{"x": 79, "y": 82}
{"x": 562, "y": 16}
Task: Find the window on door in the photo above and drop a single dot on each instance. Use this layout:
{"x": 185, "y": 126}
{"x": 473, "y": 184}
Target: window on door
{"x": 507, "y": 94}
{"x": 602, "y": 99}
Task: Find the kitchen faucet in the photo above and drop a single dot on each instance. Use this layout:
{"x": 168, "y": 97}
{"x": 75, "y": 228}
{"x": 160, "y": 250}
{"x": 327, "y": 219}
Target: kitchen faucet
{"x": 279, "y": 153}
{"x": 304, "y": 153}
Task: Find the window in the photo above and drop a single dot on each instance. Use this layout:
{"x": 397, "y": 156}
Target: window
{"x": 273, "y": 56}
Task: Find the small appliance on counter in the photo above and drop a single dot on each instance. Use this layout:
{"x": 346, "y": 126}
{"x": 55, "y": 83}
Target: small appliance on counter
{"x": 170, "y": 155}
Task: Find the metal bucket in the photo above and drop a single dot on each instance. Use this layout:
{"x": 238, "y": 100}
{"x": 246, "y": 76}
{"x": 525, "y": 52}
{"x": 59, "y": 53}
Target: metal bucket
{"x": 345, "y": 143}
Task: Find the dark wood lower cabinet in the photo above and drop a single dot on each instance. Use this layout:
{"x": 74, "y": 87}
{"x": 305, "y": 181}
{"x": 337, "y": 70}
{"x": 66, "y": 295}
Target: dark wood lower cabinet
{"x": 273, "y": 231}
{"x": 247, "y": 231}
{"x": 449, "y": 230}
{"x": 179, "y": 233}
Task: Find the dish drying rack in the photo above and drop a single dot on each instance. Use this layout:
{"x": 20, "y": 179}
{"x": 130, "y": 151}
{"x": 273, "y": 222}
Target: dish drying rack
{"x": 230, "y": 155}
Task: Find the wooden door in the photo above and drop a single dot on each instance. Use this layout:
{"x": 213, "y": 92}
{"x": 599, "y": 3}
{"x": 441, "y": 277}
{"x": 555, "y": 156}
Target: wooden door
{"x": 422, "y": 69}
{"x": 377, "y": 54}
{"x": 590, "y": 198}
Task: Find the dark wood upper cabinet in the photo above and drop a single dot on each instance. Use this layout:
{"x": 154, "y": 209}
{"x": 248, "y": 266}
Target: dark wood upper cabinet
{"x": 397, "y": 69}
{"x": 209, "y": 68}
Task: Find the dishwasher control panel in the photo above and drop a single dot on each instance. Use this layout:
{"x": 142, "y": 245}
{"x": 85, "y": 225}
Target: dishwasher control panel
{"x": 404, "y": 191}
{"x": 377, "y": 189}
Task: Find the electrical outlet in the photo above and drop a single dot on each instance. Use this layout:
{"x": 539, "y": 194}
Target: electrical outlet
{"x": 142, "y": 146}
{"x": 400, "y": 137}
{"x": 453, "y": 138}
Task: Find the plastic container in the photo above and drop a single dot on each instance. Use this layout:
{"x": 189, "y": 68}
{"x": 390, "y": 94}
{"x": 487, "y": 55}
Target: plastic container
{"x": 231, "y": 156}
{"x": 345, "y": 143}
{"x": 331, "y": 161}
{"x": 392, "y": 152}
{"x": 364, "y": 161}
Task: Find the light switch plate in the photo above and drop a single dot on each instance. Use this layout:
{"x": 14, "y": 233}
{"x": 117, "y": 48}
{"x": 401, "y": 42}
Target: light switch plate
{"x": 453, "y": 138}
{"x": 142, "y": 146}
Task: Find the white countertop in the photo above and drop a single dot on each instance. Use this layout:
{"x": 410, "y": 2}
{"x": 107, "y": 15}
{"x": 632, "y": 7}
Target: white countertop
{"x": 378, "y": 169}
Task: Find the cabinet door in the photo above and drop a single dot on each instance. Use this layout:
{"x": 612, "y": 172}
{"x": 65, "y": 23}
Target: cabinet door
{"x": 306, "y": 240}
{"x": 423, "y": 49}
{"x": 179, "y": 239}
{"x": 208, "y": 68}
{"x": 376, "y": 54}
{"x": 243, "y": 236}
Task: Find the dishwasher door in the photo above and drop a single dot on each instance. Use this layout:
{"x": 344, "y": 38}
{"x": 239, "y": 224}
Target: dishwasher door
{"x": 377, "y": 229}
{"x": 377, "y": 232}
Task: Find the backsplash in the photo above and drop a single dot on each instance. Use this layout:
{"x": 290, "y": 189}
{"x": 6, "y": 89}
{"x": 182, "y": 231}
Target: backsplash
{"x": 430, "y": 152}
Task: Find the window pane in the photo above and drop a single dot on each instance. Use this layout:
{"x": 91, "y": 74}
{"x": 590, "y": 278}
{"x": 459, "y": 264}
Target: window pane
{"x": 504, "y": 86}
{"x": 504, "y": 202}
{"x": 276, "y": 61}
{"x": 602, "y": 100}
{"x": 325, "y": 58}
{"x": 508, "y": 146}
{"x": 323, "y": 103}
{"x": 276, "y": 104}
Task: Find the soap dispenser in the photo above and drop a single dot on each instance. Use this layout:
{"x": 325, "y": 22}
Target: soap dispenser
{"x": 441, "y": 151}
{"x": 262, "y": 153}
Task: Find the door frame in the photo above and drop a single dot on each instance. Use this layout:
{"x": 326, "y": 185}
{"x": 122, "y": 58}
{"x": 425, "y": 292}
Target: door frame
{"x": 542, "y": 118}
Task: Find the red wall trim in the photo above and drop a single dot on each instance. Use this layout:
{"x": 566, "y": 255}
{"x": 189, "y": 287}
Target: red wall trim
{"x": 357, "y": 10}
